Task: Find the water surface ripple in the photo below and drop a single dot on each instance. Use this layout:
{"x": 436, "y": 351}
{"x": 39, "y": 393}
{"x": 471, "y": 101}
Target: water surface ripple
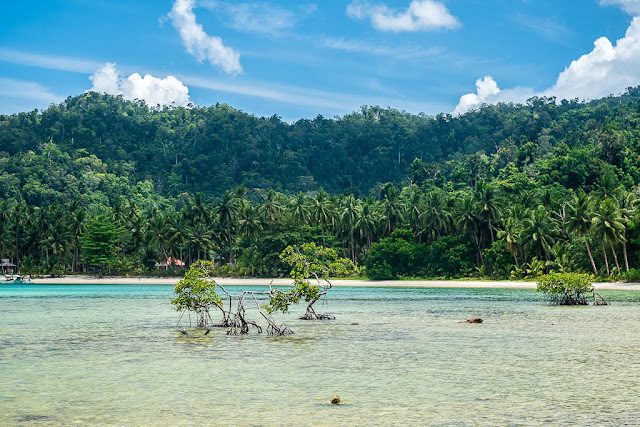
{"x": 112, "y": 355}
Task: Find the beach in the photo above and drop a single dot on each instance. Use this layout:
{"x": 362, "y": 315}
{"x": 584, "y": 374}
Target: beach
{"x": 470, "y": 284}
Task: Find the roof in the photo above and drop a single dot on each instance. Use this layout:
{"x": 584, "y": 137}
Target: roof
{"x": 6, "y": 263}
{"x": 170, "y": 261}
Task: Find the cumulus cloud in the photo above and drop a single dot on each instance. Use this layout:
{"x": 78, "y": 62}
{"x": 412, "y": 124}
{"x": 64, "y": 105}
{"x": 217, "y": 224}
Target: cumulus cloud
{"x": 606, "y": 70}
{"x": 485, "y": 88}
{"x": 198, "y": 43}
{"x": 630, "y": 6}
{"x": 422, "y": 15}
{"x": 153, "y": 90}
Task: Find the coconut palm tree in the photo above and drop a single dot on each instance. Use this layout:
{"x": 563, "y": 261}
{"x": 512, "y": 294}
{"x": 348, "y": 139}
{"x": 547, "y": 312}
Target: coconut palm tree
{"x": 321, "y": 211}
{"x": 349, "y": 216}
{"x": 580, "y": 221}
{"x": 628, "y": 205}
{"x": 300, "y": 212}
{"x": 249, "y": 221}
{"x": 609, "y": 226}
{"x": 539, "y": 232}
{"x": 226, "y": 210}
{"x": 392, "y": 209}
{"x": 367, "y": 222}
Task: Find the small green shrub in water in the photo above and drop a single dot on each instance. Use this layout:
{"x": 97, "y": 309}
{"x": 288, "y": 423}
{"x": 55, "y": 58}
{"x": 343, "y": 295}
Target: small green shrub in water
{"x": 566, "y": 288}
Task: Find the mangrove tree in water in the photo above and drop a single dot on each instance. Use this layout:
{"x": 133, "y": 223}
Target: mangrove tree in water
{"x": 568, "y": 289}
{"x": 199, "y": 293}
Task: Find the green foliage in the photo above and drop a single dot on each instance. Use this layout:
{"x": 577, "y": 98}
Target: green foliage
{"x": 196, "y": 293}
{"x": 554, "y": 184}
{"x": 307, "y": 261}
{"x": 565, "y": 288}
{"x": 99, "y": 242}
{"x": 633, "y": 275}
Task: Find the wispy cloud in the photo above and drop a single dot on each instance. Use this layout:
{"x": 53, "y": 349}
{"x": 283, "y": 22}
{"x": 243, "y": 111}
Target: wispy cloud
{"x": 329, "y": 101}
{"x": 260, "y": 17}
{"x": 200, "y": 44}
{"x": 630, "y": 6}
{"x": 51, "y": 62}
{"x": 319, "y": 100}
{"x": 21, "y": 95}
{"x": 421, "y": 15}
{"x": 547, "y": 27}
{"x": 360, "y": 46}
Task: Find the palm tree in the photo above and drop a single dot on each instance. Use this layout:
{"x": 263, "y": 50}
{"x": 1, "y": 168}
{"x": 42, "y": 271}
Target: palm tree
{"x": 511, "y": 234}
{"x": 366, "y": 222}
{"x": 271, "y": 208}
{"x": 539, "y": 232}
{"x": 226, "y": 209}
{"x": 628, "y": 205}
{"x": 350, "y": 213}
{"x": 200, "y": 238}
{"x": 300, "y": 212}
{"x": 436, "y": 219}
{"x": 580, "y": 221}
{"x": 488, "y": 205}
{"x": 609, "y": 226}
{"x": 76, "y": 229}
{"x": 249, "y": 221}
{"x": 392, "y": 209}
{"x": 157, "y": 232}
{"x": 467, "y": 223}
{"x": 321, "y": 211}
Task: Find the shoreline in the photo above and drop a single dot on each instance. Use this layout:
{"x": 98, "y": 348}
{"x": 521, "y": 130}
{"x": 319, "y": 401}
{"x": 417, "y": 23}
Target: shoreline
{"x": 230, "y": 281}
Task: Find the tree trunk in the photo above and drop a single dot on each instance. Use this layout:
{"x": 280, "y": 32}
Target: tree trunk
{"x": 606, "y": 260}
{"x": 593, "y": 263}
{"x": 626, "y": 258}
{"x": 615, "y": 256}
{"x": 353, "y": 252}
{"x": 230, "y": 245}
{"x": 322, "y": 232}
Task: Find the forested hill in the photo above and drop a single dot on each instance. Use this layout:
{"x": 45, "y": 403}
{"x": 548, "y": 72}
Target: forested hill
{"x": 99, "y": 146}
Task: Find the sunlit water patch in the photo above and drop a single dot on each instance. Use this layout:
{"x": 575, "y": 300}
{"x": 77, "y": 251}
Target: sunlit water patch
{"x": 113, "y": 355}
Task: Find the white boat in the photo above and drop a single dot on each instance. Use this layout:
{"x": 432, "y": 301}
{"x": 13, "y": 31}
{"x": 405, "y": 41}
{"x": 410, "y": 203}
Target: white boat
{"x": 16, "y": 280}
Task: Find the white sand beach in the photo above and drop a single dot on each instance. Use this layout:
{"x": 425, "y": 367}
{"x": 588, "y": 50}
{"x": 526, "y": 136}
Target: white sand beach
{"x": 478, "y": 284}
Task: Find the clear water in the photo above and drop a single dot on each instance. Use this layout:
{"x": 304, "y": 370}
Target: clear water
{"x": 112, "y": 355}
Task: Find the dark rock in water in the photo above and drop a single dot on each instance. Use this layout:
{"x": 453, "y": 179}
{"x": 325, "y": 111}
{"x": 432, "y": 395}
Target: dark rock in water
{"x": 335, "y": 400}
{"x": 474, "y": 320}
{"x": 355, "y": 323}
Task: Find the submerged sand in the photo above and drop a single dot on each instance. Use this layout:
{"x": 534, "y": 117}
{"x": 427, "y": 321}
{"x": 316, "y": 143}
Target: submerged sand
{"x": 478, "y": 284}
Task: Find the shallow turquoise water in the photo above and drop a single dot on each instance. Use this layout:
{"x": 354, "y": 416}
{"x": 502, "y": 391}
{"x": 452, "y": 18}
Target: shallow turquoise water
{"x": 113, "y": 355}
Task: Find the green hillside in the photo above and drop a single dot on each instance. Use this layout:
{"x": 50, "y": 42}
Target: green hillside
{"x": 477, "y": 183}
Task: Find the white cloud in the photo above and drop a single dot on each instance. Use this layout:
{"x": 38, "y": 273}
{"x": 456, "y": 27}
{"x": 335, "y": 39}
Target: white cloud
{"x": 153, "y": 90}
{"x": 13, "y": 88}
{"x": 378, "y": 49}
{"x": 485, "y": 88}
{"x": 630, "y": 6}
{"x": 198, "y": 43}
{"x": 422, "y": 15}
{"x": 48, "y": 61}
{"x": 606, "y": 70}
{"x": 259, "y": 17}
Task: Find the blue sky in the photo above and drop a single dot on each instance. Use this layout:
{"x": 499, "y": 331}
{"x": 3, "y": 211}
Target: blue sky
{"x": 299, "y": 59}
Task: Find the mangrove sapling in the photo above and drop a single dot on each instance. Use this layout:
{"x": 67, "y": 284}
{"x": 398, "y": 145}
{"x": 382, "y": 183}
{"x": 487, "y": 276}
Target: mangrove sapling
{"x": 568, "y": 289}
{"x": 308, "y": 261}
